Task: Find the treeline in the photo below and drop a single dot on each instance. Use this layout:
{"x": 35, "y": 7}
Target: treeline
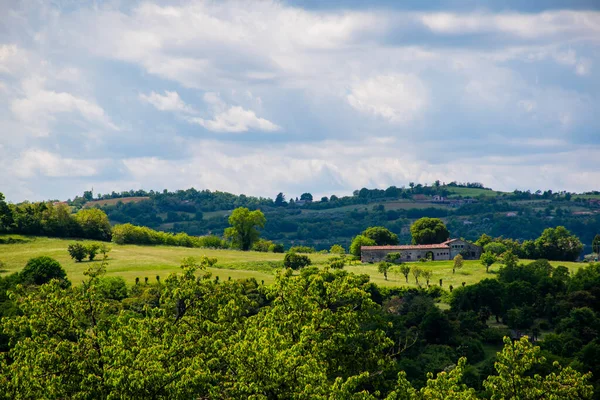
{"x": 319, "y": 334}
{"x": 556, "y": 244}
{"x": 141, "y": 235}
{"x": 53, "y": 220}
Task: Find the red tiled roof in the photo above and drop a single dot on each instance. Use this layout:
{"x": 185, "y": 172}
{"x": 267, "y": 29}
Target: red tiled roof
{"x": 407, "y": 247}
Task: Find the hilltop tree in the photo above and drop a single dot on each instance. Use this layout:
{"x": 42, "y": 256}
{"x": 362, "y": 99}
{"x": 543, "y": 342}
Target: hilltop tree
{"x": 429, "y": 231}
{"x": 280, "y": 200}
{"x": 306, "y": 197}
{"x": 358, "y": 242}
{"x": 382, "y": 236}
{"x": 243, "y": 231}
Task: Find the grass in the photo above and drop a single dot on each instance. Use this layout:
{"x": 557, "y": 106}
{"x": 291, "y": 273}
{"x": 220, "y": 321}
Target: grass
{"x": 130, "y": 261}
{"x": 471, "y": 192}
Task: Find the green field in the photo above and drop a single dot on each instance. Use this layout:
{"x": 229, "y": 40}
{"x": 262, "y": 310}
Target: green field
{"x": 130, "y": 261}
{"x": 471, "y": 192}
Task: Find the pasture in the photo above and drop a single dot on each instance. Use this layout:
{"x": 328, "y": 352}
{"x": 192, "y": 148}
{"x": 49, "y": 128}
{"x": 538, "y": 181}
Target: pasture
{"x": 112, "y": 202}
{"x": 131, "y": 261}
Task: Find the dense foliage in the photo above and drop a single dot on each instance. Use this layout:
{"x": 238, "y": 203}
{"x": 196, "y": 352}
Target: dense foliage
{"x": 324, "y": 334}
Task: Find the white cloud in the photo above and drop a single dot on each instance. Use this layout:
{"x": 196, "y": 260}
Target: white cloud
{"x": 398, "y": 98}
{"x": 236, "y": 119}
{"x": 34, "y": 162}
{"x": 39, "y": 107}
{"x": 526, "y": 26}
{"x": 169, "y": 102}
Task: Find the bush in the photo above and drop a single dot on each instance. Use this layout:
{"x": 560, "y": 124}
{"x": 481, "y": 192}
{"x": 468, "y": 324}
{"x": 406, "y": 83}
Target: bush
{"x": 113, "y": 287}
{"x": 92, "y": 250}
{"x": 302, "y": 249}
{"x": 337, "y": 263}
{"x": 211, "y": 242}
{"x": 296, "y": 261}
{"x": 77, "y": 251}
{"x": 262, "y": 245}
{"x": 393, "y": 258}
{"x": 41, "y": 270}
{"x": 276, "y": 248}
{"x": 337, "y": 249}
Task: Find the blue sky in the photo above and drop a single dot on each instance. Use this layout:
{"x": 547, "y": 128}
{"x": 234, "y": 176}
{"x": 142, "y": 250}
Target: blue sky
{"x": 259, "y": 97}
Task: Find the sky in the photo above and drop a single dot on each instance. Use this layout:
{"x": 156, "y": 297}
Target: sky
{"x": 261, "y": 97}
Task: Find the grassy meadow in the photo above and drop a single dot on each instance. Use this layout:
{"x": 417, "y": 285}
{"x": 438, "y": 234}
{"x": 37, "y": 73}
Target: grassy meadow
{"x": 131, "y": 261}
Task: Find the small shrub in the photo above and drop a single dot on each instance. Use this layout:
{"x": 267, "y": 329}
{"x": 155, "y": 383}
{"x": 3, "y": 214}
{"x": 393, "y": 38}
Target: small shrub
{"x": 113, "y": 287}
{"x": 77, "y": 251}
{"x": 276, "y": 248}
{"x": 393, "y": 258}
{"x": 337, "y": 263}
{"x": 262, "y": 245}
{"x": 296, "y": 261}
{"x": 337, "y": 249}
{"x": 92, "y": 250}
{"x": 302, "y": 249}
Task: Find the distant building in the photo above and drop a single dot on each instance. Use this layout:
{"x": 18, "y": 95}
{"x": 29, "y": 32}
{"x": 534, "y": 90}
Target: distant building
{"x": 511, "y": 214}
{"x": 442, "y": 251}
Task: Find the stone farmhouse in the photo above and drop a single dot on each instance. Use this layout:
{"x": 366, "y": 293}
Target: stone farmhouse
{"x": 442, "y": 251}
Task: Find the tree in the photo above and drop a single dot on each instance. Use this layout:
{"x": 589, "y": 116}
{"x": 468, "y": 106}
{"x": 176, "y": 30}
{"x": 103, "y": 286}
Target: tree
{"x": 383, "y": 268}
{"x": 94, "y": 224}
{"x": 40, "y": 270}
{"x": 458, "y": 263}
{"x": 405, "y": 270}
{"x": 495, "y": 248}
{"x": 427, "y": 275}
{"x": 515, "y": 382}
{"x": 393, "y": 258}
{"x": 358, "y": 242}
{"x": 296, "y": 261}
{"x": 337, "y": 249}
{"x": 558, "y": 244}
{"x": 382, "y": 236}
{"x": 6, "y": 215}
{"x": 306, "y": 197}
{"x": 417, "y": 272}
{"x": 596, "y": 244}
{"x": 244, "y": 223}
{"x": 487, "y": 259}
{"x": 91, "y": 250}
{"x": 77, "y": 251}
{"x": 324, "y": 199}
{"x": 280, "y": 200}
{"x": 429, "y": 231}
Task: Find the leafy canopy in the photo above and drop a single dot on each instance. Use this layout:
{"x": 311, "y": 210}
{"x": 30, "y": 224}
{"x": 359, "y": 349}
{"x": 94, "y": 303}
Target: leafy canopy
{"x": 429, "y": 231}
{"x": 244, "y": 227}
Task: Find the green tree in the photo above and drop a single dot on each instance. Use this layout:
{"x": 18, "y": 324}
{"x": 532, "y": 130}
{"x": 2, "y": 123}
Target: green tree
{"x": 40, "y": 270}
{"x": 596, "y": 244}
{"x": 6, "y": 215}
{"x": 94, "y": 224}
{"x": 458, "y": 263}
{"x": 495, "y": 248}
{"x": 429, "y": 231}
{"x": 427, "y": 275}
{"x": 383, "y": 268}
{"x": 77, "y": 251}
{"x": 358, "y": 242}
{"x": 483, "y": 240}
{"x": 244, "y": 223}
{"x": 337, "y": 249}
{"x": 416, "y": 272}
{"x": 296, "y": 261}
{"x": 558, "y": 244}
{"x": 405, "y": 270}
{"x": 487, "y": 259}
{"x": 394, "y": 258}
{"x": 306, "y": 197}
{"x": 280, "y": 200}
{"x": 382, "y": 236}
{"x": 91, "y": 250}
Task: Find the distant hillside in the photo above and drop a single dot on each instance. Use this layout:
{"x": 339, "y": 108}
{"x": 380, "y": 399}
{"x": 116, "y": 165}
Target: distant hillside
{"x": 468, "y": 209}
